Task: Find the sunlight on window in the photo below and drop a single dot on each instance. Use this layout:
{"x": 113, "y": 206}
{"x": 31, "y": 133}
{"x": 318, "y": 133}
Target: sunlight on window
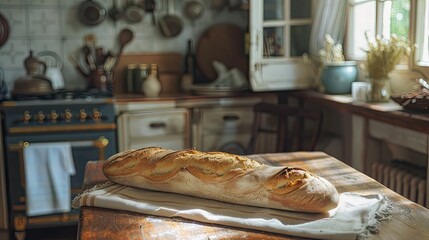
{"x": 362, "y": 19}
{"x": 387, "y": 12}
{"x": 394, "y": 18}
{"x": 422, "y": 38}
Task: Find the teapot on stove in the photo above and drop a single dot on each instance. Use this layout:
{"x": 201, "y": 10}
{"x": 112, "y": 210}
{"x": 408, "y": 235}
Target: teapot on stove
{"x": 35, "y": 83}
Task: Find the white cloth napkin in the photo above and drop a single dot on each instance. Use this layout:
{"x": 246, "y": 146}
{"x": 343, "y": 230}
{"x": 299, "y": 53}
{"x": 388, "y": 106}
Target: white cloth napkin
{"x": 354, "y": 216}
{"x": 48, "y": 167}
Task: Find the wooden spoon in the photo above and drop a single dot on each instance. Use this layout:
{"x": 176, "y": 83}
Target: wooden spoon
{"x": 125, "y": 37}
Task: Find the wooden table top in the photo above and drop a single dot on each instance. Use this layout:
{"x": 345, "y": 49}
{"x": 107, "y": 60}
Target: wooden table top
{"x": 409, "y": 220}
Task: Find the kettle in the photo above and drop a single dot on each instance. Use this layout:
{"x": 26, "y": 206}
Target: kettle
{"x": 35, "y": 83}
{"x": 53, "y": 68}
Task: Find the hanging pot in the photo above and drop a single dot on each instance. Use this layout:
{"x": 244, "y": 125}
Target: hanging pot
{"x": 133, "y": 12}
{"x": 193, "y": 9}
{"x": 91, "y": 13}
{"x": 115, "y": 13}
{"x": 4, "y": 30}
{"x": 170, "y": 25}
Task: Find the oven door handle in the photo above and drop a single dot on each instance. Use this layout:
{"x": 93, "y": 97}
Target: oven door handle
{"x": 100, "y": 143}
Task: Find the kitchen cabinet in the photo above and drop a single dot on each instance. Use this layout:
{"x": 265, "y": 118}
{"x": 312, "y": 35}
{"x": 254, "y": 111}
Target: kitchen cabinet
{"x": 279, "y": 36}
{"x": 165, "y": 128}
{"x": 381, "y": 140}
{"x": 225, "y": 125}
{"x": 222, "y": 129}
{"x": 208, "y": 123}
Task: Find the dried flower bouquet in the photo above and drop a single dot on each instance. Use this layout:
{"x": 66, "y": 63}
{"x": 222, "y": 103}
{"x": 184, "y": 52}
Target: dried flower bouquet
{"x": 384, "y": 54}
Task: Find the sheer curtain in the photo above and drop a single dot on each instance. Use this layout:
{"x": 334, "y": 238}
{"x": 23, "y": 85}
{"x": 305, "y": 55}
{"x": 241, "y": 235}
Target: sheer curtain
{"x": 329, "y": 18}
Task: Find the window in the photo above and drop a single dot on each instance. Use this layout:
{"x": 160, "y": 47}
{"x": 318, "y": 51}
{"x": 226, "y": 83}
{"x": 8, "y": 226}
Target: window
{"x": 286, "y": 28}
{"x": 377, "y": 17}
{"x": 422, "y": 33}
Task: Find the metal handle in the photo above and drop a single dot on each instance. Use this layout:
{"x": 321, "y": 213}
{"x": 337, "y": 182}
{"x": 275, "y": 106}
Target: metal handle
{"x": 157, "y": 125}
{"x": 100, "y": 143}
{"x": 231, "y": 117}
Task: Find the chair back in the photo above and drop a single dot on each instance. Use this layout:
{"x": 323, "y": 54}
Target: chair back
{"x": 297, "y": 128}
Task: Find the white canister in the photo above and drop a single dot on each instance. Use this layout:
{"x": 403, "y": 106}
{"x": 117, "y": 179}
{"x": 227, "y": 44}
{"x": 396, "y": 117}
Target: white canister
{"x": 151, "y": 86}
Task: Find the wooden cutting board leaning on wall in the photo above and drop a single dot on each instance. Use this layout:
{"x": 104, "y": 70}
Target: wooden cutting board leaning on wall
{"x": 223, "y": 42}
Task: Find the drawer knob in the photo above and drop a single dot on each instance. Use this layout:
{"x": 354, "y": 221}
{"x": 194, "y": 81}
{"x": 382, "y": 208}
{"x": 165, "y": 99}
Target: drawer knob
{"x": 157, "y": 125}
{"x": 231, "y": 118}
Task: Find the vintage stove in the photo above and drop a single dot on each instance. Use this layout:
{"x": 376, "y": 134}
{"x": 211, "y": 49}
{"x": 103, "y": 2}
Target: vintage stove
{"x": 84, "y": 119}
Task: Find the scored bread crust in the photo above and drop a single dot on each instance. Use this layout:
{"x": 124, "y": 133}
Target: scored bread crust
{"x": 222, "y": 176}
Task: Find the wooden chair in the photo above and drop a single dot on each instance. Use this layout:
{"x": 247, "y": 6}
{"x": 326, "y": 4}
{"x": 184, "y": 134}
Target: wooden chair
{"x": 298, "y": 128}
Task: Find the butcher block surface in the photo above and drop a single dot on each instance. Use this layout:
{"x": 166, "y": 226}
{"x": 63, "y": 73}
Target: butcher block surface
{"x": 408, "y": 219}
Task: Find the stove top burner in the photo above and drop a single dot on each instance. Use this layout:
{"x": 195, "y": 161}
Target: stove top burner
{"x": 92, "y": 93}
{"x": 65, "y": 94}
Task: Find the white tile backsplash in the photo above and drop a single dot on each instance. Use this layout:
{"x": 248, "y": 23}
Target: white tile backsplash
{"x": 17, "y": 19}
{"x": 44, "y": 22}
{"x": 39, "y": 45}
{"x": 13, "y": 53}
{"x": 53, "y": 25}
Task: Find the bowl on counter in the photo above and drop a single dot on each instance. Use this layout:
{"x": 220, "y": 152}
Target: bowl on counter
{"x": 337, "y": 77}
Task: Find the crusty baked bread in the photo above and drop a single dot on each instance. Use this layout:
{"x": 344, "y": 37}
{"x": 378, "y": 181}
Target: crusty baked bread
{"x": 222, "y": 176}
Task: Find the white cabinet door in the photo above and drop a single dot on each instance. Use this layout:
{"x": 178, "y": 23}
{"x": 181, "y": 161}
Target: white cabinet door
{"x": 167, "y": 128}
{"x": 279, "y": 36}
{"x": 222, "y": 128}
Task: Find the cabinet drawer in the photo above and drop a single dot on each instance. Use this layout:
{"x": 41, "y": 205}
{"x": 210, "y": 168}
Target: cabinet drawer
{"x": 172, "y": 142}
{"x": 147, "y": 124}
{"x": 227, "y": 119}
{"x": 232, "y": 143}
{"x": 400, "y": 136}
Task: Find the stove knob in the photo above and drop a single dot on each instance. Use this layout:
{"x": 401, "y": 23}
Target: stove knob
{"x": 68, "y": 115}
{"x": 27, "y": 117}
{"x": 54, "y": 116}
{"x": 41, "y": 117}
{"x": 96, "y": 115}
{"x": 82, "y": 115}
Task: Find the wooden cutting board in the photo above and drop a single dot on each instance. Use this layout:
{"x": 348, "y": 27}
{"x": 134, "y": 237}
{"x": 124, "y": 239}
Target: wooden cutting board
{"x": 223, "y": 42}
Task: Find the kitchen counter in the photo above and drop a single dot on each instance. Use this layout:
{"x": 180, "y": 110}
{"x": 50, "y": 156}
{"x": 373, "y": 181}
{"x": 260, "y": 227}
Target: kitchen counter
{"x": 408, "y": 219}
{"x": 391, "y": 112}
{"x": 130, "y": 102}
{"x": 373, "y": 126}
{"x": 125, "y": 98}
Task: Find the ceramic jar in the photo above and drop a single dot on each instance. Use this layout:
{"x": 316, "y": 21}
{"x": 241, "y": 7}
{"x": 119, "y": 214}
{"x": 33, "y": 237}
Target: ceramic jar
{"x": 151, "y": 86}
{"x": 337, "y": 77}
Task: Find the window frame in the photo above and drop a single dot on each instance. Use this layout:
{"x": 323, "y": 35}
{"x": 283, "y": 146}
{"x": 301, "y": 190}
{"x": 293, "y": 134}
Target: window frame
{"x": 413, "y": 64}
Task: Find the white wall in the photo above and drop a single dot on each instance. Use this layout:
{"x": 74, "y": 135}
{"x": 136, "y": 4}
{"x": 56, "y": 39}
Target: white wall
{"x": 52, "y": 25}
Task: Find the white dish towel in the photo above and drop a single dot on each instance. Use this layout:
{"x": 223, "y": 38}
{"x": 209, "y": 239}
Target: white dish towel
{"x": 356, "y": 215}
{"x": 48, "y": 167}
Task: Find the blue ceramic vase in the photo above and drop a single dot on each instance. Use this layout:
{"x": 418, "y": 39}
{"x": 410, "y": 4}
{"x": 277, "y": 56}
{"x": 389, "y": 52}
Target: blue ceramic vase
{"x": 337, "y": 77}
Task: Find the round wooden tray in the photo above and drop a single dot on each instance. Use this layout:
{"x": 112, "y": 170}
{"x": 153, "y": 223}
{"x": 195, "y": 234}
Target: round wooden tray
{"x": 223, "y": 42}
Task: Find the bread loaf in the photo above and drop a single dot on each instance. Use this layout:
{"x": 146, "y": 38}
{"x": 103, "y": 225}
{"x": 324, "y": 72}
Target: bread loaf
{"x": 222, "y": 176}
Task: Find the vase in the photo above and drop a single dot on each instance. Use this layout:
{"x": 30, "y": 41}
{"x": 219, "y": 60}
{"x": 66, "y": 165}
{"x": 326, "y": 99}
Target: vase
{"x": 337, "y": 77}
{"x": 379, "y": 90}
{"x": 151, "y": 86}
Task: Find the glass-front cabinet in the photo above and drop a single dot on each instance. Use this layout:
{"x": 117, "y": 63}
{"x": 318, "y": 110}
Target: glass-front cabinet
{"x": 280, "y": 33}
